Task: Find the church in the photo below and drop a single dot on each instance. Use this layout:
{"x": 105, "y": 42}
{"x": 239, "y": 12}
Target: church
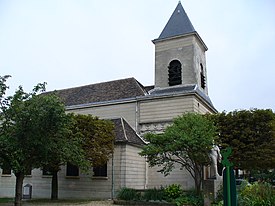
{"x": 180, "y": 86}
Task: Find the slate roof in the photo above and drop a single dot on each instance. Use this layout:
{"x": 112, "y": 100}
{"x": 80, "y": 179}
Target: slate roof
{"x": 102, "y": 92}
{"x": 178, "y": 24}
{"x": 181, "y": 89}
{"x": 124, "y": 133}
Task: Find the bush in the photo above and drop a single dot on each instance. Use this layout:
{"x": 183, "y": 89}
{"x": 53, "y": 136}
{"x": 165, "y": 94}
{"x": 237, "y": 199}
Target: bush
{"x": 128, "y": 194}
{"x": 189, "y": 198}
{"x": 154, "y": 194}
{"x": 173, "y": 191}
{"x": 261, "y": 194}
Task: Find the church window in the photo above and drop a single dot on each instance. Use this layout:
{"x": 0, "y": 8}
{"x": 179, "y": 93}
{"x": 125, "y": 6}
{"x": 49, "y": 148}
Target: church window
{"x": 203, "y": 84}
{"x": 174, "y": 73}
{"x": 72, "y": 170}
{"x": 6, "y": 171}
{"x": 100, "y": 171}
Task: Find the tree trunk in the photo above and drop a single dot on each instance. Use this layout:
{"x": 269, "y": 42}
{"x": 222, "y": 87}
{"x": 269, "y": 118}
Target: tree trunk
{"x": 198, "y": 180}
{"x": 197, "y": 185}
{"x": 54, "y": 194}
{"x": 18, "y": 188}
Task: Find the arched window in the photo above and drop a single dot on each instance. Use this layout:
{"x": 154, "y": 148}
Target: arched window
{"x": 203, "y": 84}
{"x": 174, "y": 73}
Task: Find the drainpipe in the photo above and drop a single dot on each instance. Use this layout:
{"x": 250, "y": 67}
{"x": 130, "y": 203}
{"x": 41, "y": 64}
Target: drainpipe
{"x": 113, "y": 182}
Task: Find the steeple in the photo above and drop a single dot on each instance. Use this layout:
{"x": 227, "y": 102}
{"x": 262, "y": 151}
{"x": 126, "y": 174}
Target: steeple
{"x": 178, "y": 24}
{"x": 180, "y": 54}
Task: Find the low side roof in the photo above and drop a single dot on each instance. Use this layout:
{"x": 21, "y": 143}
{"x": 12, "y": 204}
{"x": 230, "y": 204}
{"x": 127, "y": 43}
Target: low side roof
{"x": 125, "y": 133}
{"x": 100, "y": 92}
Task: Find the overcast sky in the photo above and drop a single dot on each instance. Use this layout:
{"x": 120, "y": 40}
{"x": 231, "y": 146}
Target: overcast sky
{"x": 69, "y": 43}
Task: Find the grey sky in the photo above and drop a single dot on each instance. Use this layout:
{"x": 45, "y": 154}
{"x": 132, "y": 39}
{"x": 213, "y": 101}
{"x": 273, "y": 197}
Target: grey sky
{"x": 69, "y": 43}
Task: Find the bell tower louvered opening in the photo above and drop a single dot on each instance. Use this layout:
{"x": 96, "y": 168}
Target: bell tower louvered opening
{"x": 174, "y": 73}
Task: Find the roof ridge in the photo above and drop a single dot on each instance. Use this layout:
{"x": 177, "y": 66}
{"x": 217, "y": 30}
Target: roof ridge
{"x": 141, "y": 86}
{"x": 124, "y": 120}
{"x": 98, "y": 83}
{"x": 123, "y": 127}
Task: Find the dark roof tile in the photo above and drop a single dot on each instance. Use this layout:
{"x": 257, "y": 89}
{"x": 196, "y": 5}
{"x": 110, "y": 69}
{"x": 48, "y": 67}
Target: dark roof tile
{"x": 125, "y": 133}
{"x": 178, "y": 24}
{"x": 100, "y": 92}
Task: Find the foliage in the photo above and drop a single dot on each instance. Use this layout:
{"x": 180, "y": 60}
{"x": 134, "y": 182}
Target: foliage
{"x": 128, "y": 194}
{"x": 33, "y": 128}
{"x": 6, "y": 200}
{"x": 264, "y": 175}
{"x": 154, "y": 194}
{"x": 261, "y": 194}
{"x": 189, "y": 198}
{"x": 173, "y": 191}
{"x": 186, "y": 142}
{"x": 97, "y": 138}
{"x": 89, "y": 142}
{"x": 251, "y": 135}
{"x": 31, "y": 125}
{"x": 219, "y": 196}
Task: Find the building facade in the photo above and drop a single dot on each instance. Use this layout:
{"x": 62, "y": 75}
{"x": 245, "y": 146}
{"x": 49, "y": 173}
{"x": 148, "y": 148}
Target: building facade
{"x": 180, "y": 86}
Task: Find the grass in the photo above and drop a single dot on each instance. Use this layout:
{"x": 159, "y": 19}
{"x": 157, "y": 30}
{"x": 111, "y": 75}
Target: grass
{"x": 6, "y": 200}
{"x": 42, "y": 201}
{"x": 58, "y": 201}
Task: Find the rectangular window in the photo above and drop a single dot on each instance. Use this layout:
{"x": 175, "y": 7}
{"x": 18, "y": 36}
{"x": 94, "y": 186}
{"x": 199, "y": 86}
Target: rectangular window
{"x": 72, "y": 170}
{"x": 100, "y": 171}
{"x": 6, "y": 171}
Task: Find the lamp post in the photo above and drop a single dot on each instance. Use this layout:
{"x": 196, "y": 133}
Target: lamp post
{"x": 229, "y": 182}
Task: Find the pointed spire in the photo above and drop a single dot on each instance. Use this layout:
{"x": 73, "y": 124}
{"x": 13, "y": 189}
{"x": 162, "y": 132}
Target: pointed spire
{"x": 178, "y": 24}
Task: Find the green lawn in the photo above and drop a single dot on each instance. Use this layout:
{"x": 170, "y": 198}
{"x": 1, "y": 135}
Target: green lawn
{"x": 41, "y": 201}
{"x": 5, "y": 200}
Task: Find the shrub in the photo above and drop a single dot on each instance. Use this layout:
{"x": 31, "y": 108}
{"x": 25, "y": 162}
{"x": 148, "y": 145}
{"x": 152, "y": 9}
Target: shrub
{"x": 154, "y": 194}
{"x": 261, "y": 194}
{"x": 219, "y": 196}
{"x": 128, "y": 194}
{"x": 173, "y": 191}
{"x": 189, "y": 198}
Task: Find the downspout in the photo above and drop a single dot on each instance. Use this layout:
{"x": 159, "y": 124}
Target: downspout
{"x": 113, "y": 182}
{"x": 146, "y": 174}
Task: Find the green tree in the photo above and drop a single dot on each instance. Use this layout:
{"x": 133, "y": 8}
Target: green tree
{"x": 97, "y": 138}
{"x": 186, "y": 142}
{"x": 90, "y": 142}
{"x": 68, "y": 149}
{"x": 251, "y": 134}
{"x": 32, "y": 128}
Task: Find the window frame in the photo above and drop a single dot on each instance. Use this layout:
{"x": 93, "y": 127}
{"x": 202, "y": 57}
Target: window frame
{"x": 72, "y": 171}
{"x": 6, "y": 171}
{"x": 100, "y": 171}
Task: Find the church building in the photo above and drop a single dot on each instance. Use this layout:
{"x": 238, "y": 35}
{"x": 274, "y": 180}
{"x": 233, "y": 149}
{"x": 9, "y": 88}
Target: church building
{"x": 180, "y": 86}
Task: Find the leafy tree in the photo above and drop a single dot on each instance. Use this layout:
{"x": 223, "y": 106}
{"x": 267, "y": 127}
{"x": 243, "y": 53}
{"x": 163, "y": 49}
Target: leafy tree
{"x": 32, "y": 128}
{"x": 97, "y": 138}
{"x": 69, "y": 149}
{"x": 251, "y": 134}
{"x": 90, "y": 142}
{"x": 186, "y": 142}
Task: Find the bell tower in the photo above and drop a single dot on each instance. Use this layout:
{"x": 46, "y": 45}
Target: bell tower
{"x": 180, "y": 54}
